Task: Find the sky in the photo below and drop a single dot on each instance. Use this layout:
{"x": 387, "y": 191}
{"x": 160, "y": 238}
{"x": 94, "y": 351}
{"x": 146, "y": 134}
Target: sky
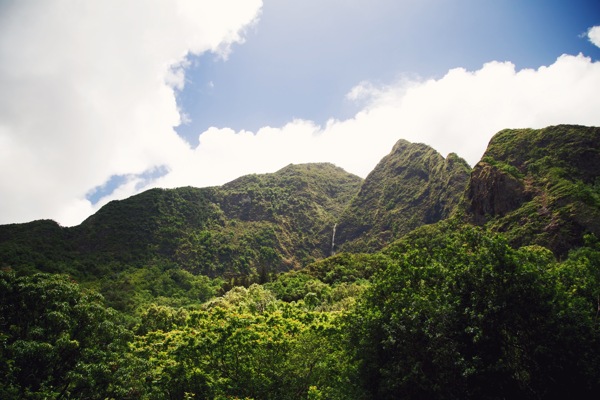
{"x": 100, "y": 100}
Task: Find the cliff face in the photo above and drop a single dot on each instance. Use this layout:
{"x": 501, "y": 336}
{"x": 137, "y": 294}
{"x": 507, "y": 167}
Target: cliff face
{"x": 494, "y": 192}
{"x": 539, "y": 186}
{"x": 412, "y": 186}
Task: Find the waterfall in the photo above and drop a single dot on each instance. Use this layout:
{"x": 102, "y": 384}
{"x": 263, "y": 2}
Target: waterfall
{"x": 333, "y": 240}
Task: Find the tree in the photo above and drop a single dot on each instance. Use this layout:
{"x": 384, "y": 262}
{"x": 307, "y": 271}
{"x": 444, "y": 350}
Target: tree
{"x": 464, "y": 315}
{"x": 248, "y": 345}
{"x": 59, "y": 341}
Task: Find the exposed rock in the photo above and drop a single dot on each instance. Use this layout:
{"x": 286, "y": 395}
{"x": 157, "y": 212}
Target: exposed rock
{"x": 493, "y": 193}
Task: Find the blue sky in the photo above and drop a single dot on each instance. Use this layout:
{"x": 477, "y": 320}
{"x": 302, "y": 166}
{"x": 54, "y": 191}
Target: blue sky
{"x": 101, "y": 100}
{"x": 302, "y": 58}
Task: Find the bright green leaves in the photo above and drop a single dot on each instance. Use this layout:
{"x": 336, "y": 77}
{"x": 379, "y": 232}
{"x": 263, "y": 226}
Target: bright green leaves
{"x": 169, "y": 285}
{"x": 448, "y": 312}
{"x": 246, "y": 346}
{"x": 58, "y": 340}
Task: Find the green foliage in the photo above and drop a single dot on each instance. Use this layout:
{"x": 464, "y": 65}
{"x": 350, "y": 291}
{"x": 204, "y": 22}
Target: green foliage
{"x": 59, "y": 341}
{"x": 314, "y": 294}
{"x": 227, "y": 292}
{"x": 251, "y": 228}
{"x": 347, "y": 267}
{"x": 134, "y": 288}
{"x": 451, "y": 312}
{"x": 40, "y": 246}
{"x": 302, "y": 201}
{"x": 238, "y": 248}
{"x": 248, "y": 345}
{"x": 294, "y": 286}
{"x": 466, "y": 316}
{"x": 504, "y": 167}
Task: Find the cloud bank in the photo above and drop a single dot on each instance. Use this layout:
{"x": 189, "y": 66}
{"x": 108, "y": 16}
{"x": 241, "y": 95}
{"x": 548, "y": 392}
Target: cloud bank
{"x": 458, "y": 113}
{"x": 88, "y": 92}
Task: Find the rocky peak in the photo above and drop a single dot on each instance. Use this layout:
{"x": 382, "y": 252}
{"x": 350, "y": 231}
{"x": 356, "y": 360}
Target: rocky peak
{"x": 411, "y": 186}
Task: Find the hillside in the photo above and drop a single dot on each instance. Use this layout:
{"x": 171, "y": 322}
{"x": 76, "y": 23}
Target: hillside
{"x": 410, "y": 187}
{"x": 535, "y": 186}
{"x": 539, "y": 186}
{"x": 257, "y": 224}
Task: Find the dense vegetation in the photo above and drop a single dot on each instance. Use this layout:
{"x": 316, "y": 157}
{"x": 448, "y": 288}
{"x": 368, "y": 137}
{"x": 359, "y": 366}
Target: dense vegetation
{"x": 246, "y": 229}
{"x": 448, "y": 313}
{"x": 464, "y": 315}
{"x": 412, "y": 186}
{"x": 233, "y": 291}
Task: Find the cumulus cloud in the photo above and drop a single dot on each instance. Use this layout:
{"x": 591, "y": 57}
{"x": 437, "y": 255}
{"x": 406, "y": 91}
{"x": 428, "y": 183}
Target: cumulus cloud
{"x": 458, "y": 113}
{"x": 87, "y": 92}
{"x": 594, "y": 35}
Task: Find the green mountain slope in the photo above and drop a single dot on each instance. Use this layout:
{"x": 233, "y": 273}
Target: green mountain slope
{"x": 539, "y": 186}
{"x": 449, "y": 310}
{"x": 412, "y": 186}
{"x": 256, "y": 224}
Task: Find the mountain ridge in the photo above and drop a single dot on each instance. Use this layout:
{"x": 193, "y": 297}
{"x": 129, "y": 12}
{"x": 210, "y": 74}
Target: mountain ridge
{"x": 232, "y": 292}
{"x": 535, "y": 186}
{"x": 411, "y": 186}
{"x": 272, "y": 221}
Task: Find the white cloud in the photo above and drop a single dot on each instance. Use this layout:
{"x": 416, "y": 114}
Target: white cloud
{"x": 594, "y": 35}
{"x": 458, "y": 113}
{"x": 87, "y": 91}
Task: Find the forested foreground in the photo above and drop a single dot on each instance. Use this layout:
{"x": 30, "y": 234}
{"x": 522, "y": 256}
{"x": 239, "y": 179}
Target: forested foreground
{"x": 445, "y": 313}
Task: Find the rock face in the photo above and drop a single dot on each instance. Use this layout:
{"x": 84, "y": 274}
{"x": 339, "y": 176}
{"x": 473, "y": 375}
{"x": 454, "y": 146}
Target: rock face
{"x": 539, "y": 186}
{"x": 493, "y": 192}
{"x": 412, "y": 186}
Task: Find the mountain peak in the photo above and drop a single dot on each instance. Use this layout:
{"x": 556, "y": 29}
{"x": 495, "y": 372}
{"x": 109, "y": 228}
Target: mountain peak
{"x": 411, "y": 186}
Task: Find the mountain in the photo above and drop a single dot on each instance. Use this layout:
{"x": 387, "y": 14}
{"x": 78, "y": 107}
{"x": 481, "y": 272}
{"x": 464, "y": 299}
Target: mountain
{"x": 535, "y": 186}
{"x": 257, "y": 224}
{"x": 539, "y": 186}
{"x": 412, "y": 186}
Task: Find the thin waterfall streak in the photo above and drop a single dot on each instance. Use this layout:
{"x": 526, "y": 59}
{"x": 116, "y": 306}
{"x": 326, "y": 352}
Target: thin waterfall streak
{"x": 333, "y": 240}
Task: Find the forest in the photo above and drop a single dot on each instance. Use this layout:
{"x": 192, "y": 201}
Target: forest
{"x": 429, "y": 279}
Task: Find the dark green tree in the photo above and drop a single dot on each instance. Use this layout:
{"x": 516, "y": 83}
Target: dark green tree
{"x": 463, "y": 315}
{"x": 59, "y": 341}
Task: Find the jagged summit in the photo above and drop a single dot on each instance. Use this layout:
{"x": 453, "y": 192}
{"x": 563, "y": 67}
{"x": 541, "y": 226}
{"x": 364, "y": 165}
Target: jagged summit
{"x": 411, "y": 186}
